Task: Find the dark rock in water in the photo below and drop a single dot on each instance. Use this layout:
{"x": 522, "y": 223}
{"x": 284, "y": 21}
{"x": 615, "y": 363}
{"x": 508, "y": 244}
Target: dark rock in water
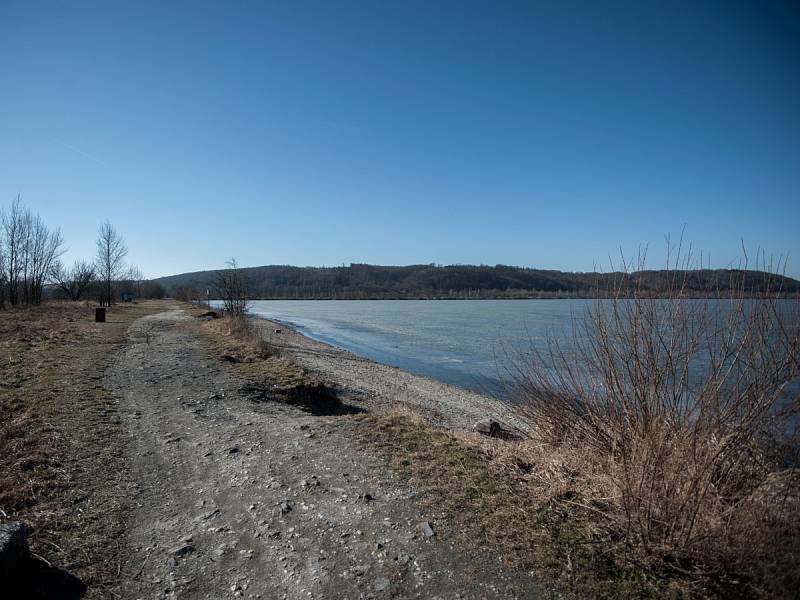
{"x": 496, "y": 429}
{"x": 13, "y": 548}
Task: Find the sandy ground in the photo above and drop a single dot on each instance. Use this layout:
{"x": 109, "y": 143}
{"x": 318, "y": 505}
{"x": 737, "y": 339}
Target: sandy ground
{"x": 368, "y": 382}
{"x": 235, "y": 498}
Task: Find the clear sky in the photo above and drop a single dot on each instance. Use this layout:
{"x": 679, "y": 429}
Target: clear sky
{"x": 545, "y": 134}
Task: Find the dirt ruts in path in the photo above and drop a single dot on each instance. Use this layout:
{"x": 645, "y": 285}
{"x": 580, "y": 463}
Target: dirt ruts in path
{"x": 234, "y": 498}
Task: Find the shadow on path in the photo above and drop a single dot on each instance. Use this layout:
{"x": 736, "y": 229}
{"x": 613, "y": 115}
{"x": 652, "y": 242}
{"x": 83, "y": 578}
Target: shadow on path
{"x": 318, "y": 400}
{"x": 38, "y": 580}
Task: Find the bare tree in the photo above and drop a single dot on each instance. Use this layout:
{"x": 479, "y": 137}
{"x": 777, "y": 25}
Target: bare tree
{"x": 110, "y": 261}
{"x": 2, "y": 270}
{"x": 232, "y": 288}
{"x": 43, "y": 249}
{"x": 73, "y": 282}
{"x": 135, "y": 277}
{"x": 28, "y": 249}
{"x": 14, "y": 228}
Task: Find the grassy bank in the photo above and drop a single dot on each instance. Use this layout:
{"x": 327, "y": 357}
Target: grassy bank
{"x": 64, "y": 469}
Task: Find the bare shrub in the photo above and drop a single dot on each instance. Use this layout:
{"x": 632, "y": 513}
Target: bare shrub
{"x": 232, "y": 288}
{"x": 152, "y": 289}
{"x": 73, "y": 282}
{"x": 187, "y": 294}
{"x": 247, "y": 332}
{"x": 686, "y": 406}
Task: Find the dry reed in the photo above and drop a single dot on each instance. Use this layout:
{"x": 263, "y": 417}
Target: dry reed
{"x": 674, "y": 419}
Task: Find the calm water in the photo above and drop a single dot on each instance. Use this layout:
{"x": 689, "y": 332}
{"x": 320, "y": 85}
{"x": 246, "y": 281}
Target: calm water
{"x": 458, "y": 341}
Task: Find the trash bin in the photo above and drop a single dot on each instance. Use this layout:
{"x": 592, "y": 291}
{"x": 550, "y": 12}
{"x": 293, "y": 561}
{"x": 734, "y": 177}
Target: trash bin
{"x": 100, "y": 314}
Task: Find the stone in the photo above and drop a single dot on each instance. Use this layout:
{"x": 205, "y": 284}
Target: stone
{"x": 182, "y": 550}
{"x": 426, "y": 529}
{"x": 496, "y": 429}
{"x": 13, "y": 548}
{"x": 382, "y": 584}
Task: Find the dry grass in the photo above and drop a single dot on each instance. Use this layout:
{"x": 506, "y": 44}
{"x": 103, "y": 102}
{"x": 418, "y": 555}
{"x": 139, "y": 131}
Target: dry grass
{"x": 270, "y": 375}
{"x": 499, "y": 506}
{"x": 244, "y": 335}
{"x": 238, "y": 341}
{"x": 64, "y": 470}
{"x": 675, "y": 418}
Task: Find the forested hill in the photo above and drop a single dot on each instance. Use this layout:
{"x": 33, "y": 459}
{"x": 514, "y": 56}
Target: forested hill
{"x": 361, "y": 281}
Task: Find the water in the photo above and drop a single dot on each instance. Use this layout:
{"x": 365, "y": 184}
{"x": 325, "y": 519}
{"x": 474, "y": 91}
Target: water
{"x": 457, "y": 341}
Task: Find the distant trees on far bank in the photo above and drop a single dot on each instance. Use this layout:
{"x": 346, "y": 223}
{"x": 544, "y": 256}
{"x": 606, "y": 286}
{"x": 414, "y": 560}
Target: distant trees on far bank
{"x": 359, "y": 281}
{"x": 31, "y": 269}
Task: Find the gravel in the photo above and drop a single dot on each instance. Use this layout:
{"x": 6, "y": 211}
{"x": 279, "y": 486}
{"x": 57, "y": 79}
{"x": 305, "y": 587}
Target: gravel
{"x": 363, "y": 381}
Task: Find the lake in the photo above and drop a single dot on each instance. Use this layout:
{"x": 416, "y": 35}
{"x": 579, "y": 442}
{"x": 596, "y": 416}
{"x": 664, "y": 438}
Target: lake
{"x": 458, "y": 341}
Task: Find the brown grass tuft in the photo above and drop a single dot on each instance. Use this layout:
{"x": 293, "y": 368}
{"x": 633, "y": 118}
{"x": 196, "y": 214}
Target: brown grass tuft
{"x": 239, "y": 341}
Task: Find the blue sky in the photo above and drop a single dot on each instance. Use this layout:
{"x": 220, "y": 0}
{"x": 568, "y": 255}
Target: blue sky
{"x": 320, "y": 133}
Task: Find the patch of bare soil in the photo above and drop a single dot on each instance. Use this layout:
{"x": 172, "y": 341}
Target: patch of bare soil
{"x": 62, "y": 468}
{"x": 238, "y": 493}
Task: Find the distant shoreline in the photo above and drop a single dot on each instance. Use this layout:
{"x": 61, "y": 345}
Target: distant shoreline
{"x": 365, "y": 380}
{"x": 595, "y": 297}
{"x": 471, "y": 282}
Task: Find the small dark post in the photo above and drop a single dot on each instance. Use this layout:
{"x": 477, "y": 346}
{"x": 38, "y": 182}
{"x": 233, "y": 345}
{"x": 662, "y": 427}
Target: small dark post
{"x": 100, "y": 314}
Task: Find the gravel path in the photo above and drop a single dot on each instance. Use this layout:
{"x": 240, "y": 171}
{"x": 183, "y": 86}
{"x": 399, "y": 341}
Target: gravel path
{"x": 234, "y": 498}
{"x": 369, "y": 382}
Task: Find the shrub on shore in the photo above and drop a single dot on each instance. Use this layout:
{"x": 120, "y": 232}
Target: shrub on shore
{"x": 670, "y": 421}
{"x": 247, "y": 332}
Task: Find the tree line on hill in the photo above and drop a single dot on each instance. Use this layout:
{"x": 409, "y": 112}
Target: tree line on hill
{"x": 31, "y": 269}
{"x": 362, "y": 281}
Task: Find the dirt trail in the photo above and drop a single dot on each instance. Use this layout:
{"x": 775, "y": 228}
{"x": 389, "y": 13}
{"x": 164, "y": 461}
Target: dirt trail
{"x": 235, "y": 498}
